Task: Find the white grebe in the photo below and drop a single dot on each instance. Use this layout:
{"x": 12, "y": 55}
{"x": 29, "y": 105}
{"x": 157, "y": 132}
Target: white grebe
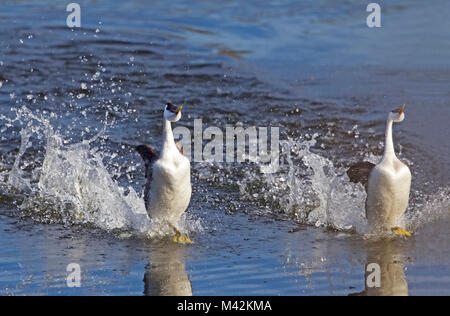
{"x": 168, "y": 189}
{"x": 387, "y": 184}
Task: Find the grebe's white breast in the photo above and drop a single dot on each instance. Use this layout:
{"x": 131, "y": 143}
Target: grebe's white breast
{"x": 388, "y": 193}
{"x": 171, "y": 189}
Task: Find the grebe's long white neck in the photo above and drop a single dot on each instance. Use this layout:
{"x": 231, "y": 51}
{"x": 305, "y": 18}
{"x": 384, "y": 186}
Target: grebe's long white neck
{"x": 389, "y": 151}
{"x": 169, "y": 148}
{"x": 168, "y": 140}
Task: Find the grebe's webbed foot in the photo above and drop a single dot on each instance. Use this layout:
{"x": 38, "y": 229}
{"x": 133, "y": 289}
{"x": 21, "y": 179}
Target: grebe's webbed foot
{"x": 401, "y": 232}
{"x": 182, "y": 239}
{"x": 179, "y": 237}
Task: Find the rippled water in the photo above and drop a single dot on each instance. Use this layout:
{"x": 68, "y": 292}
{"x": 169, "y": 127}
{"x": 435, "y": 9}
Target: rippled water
{"x": 74, "y": 103}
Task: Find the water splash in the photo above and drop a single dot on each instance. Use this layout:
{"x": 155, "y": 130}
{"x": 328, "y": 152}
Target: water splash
{"x": 73, "y": 185}
{"x": 309, "y": 189}
{"x": 429, "y": 209}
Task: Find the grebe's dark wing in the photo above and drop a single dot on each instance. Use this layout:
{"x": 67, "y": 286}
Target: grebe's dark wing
{"x": 149, "y": 155}
{"x": 360, "y": 172}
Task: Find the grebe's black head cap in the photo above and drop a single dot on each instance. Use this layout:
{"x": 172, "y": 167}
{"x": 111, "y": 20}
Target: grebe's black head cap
{"x": 171, "y": 108}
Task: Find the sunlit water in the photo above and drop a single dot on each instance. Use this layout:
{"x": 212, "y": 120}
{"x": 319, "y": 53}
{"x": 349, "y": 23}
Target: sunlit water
{"x": 74, "y": 103}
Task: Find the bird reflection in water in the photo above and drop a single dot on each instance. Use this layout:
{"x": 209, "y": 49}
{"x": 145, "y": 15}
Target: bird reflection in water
{"x": 166, "y": 275}
{"x": 389, "y": 255}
